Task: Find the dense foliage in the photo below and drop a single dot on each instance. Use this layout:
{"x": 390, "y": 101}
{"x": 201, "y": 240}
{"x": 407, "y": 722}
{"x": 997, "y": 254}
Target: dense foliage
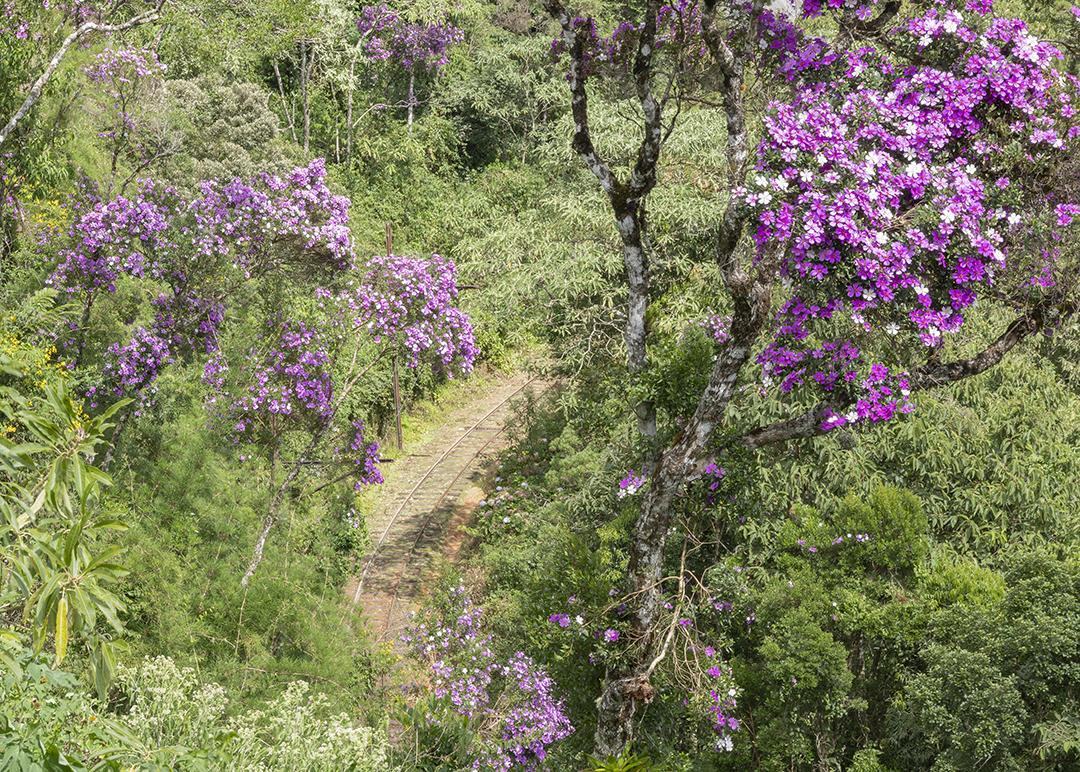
{"x": 805, "y": 274}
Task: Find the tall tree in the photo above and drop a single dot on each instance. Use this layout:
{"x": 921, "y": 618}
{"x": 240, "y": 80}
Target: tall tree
{"x": 911, "y": 164}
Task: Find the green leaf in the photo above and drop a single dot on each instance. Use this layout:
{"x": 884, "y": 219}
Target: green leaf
{"x": 61, "y": 629}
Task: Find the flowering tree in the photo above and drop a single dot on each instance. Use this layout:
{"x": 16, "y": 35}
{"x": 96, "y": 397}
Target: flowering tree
{"x": 386, "y": 36}
{"x": 301, "y": 385}
{"x": 288, "y": 237}
{"x": 126, "y": 75}
{"x": 914, "y": 164}
{"x": 195, "y": 251}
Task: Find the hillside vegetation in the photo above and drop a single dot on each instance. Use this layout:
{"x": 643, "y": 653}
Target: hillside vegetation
{"x": 801, "y": 279}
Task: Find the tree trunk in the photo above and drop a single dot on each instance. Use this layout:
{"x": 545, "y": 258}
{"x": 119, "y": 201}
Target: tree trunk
{"x": 114, "y": 440}
{"x": 411, "y": 99}
{"x": 304, "y": 95}
{"x": 625, "y": 691}
{"x": 268, "y": 523}
{"x": 630, "y": 221}
{"x": 285, "y": 102}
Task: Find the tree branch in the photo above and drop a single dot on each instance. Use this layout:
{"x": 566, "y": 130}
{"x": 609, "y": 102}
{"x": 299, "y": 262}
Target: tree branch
{"x": 732, "y": 73}
{"x": 574, "y": 40}
{"x": 929, "y": 376}
{"x": 643, "y": 176}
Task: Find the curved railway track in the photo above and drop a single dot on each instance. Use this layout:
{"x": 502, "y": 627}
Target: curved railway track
{"x": 411, "y": 516}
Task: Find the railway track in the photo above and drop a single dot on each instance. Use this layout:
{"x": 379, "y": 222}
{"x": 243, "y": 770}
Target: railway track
{"x": 389, "y": 580}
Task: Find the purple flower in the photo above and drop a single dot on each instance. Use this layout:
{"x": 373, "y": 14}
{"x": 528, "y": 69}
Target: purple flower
{"x": 630, "y": 484}
{"x": 513, "y": 703}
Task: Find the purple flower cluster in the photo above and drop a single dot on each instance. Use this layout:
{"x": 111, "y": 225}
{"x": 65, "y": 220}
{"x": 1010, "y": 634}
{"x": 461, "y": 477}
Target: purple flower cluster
{"x": 387, "y": 36}
{"x": 111, "y": 238}
{"x": 12, "y": 22}
{"x": 513, "y": 702}
{"x": 886, "y": 194}
{"x": 721, "y": 698}
{"x": 560, "y": 619}
{"x": 131, "y": 368}
{"x": 155, "y": 233}
{"x": 532, "y": 720}
{"x": 16, "y": 18}
{"x": 459, "y": 656}
{"x": 245, "y": 220}
{"x": 795, "y": 53}
{"x": 365, "y": 456}
{"x": 159, "y": 236}
{"x": 190, "y": 324}
{"x": 289, "y": 382}
{"x": 123, "y": 65}
{"x": 678, "y": 26}
{"x": 412, "y": 301}
{"x": 717, "y": 327}
{"x": 713, "y": 474}
{"x": 630, "y": 484}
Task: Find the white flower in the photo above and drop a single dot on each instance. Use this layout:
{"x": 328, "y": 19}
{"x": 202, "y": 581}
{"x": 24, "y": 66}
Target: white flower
{"x": 786, "y": 7}
{"x": 892, "y": 328}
